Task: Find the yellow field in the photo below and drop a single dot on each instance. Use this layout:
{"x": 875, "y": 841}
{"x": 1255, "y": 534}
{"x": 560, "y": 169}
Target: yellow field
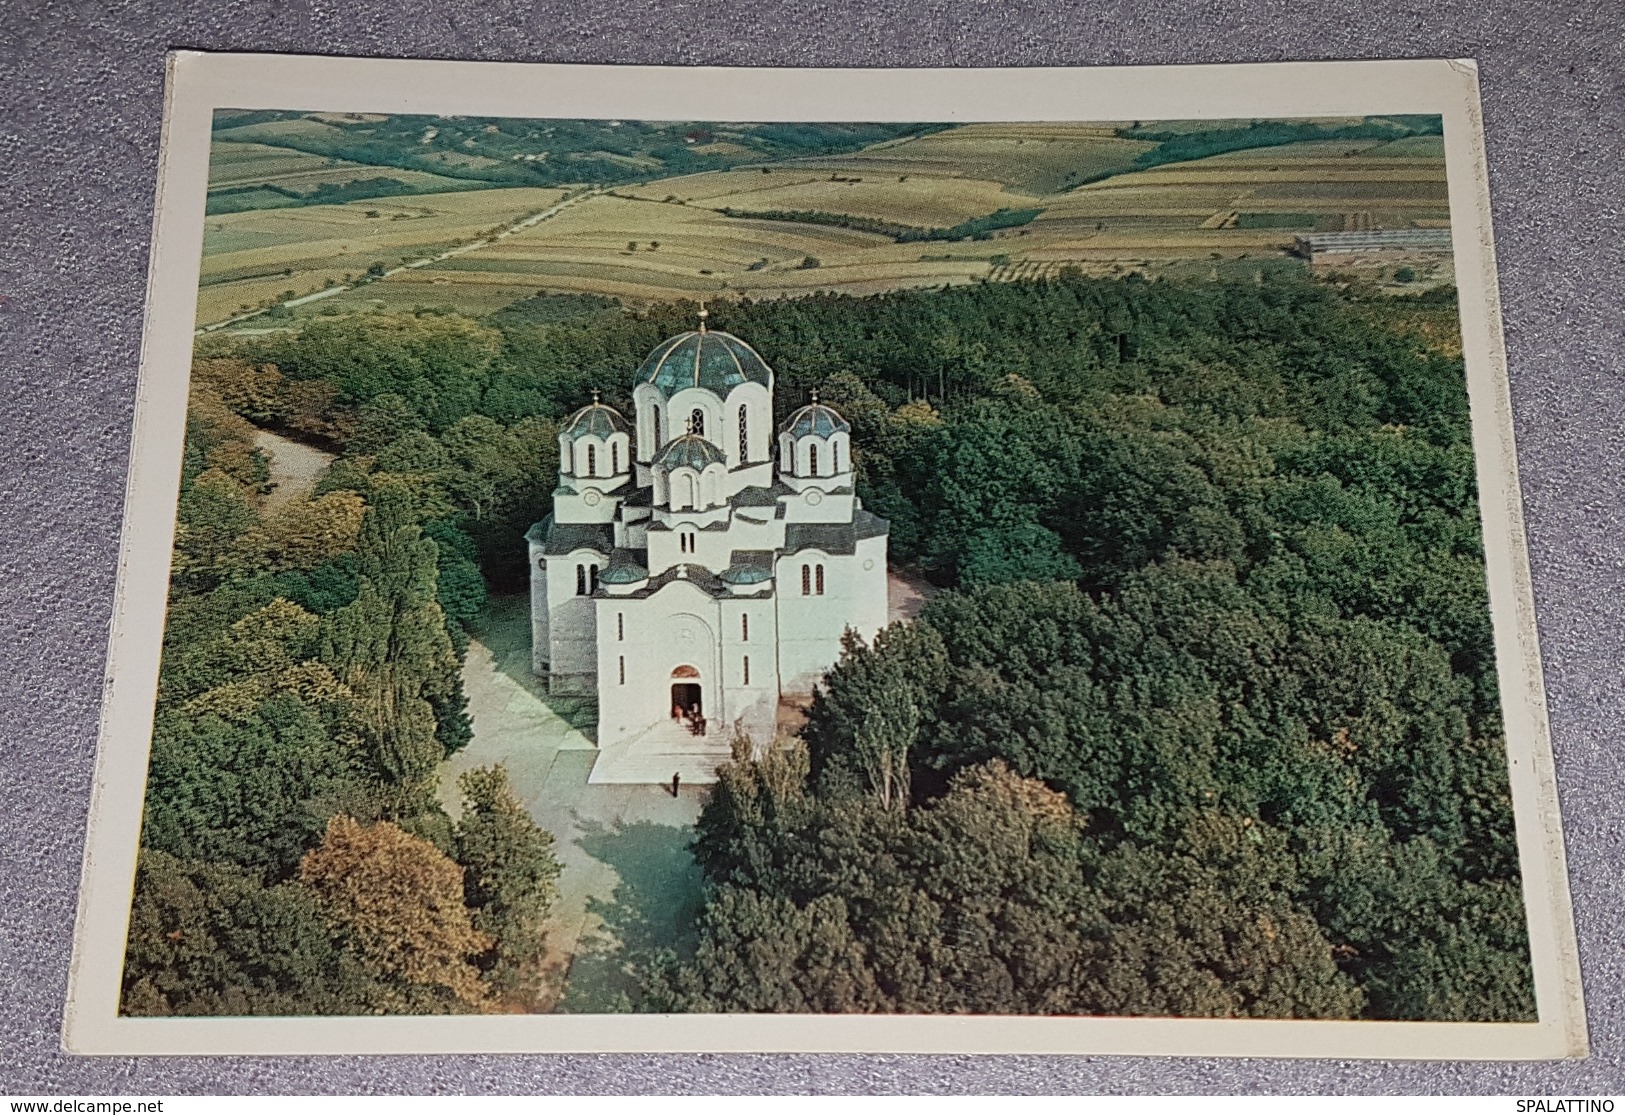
{"x": 1034, "y": 158}
{"x": 668, "y": 239}
{"x": 250, "y": 257}
{"x": 924, "y": 200}
{"x": 1352, "y": 184}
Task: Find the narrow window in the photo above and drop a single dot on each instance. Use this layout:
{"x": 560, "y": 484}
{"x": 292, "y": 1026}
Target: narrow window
{"x": 835, "y": 451}
{"x": 615, "y": 458}
{"x": 620, "y": 627}
{"x": 581, "y": 580}
{"x": 592, "y": 460}
{"x": 744, "y": 437}
{"x": 747, "y": 669}
{"x": 696, "y": 422}
{"x": 806, "y": 580}
{"x": 812, "y": 460}
{"x": 744, "y": 628}
{"x": 820, "y": 580}
{"x": 623, "y": 669}
{"x": 655, "y": 414}
{"x": 592, "y": 578}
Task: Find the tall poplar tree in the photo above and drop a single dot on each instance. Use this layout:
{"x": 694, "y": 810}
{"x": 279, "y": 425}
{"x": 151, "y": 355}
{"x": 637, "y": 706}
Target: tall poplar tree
{"x": 391, "y": 646}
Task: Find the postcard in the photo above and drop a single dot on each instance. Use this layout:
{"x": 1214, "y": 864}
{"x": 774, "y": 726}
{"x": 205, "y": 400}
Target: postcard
{"x": 657, "y": 559}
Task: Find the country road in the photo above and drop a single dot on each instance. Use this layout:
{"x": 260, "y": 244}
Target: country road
{"x": 473, "y": 245}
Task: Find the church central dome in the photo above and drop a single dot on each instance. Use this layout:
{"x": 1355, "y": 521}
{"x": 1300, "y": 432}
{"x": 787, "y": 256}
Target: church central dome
{"x": 715, "y": 361}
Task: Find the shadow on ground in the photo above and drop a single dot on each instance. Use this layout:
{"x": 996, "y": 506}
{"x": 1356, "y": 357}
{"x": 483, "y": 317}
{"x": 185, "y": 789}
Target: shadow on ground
{"x": 503, "y": 626}
{"x": 651, "y": 911}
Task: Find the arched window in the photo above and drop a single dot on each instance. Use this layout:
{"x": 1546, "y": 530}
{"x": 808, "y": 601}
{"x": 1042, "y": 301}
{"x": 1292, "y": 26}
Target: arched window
{"x": 615, "y": 458}
{"x": 835, "y": 451}
{"x": 696, "y": 422}
{"x": 592, "y": 578}
{"x": 623, "y": 669}
{"x": 806, "y": 580}
{"x": 820, "y": 580}
{"x": 654, "y": 422}
{"x": 744, "y": 436}
{"x": 744, "y": 628}
{"x": 747, "y": 669}
{"x": 812, "y": 460}
{"x": 581, "y": 580}
{"x": 620, "y": 627}
{"x": 592, "y": 460}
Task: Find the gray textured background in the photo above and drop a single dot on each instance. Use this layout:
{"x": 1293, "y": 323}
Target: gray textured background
{"x": 79, "y": 127}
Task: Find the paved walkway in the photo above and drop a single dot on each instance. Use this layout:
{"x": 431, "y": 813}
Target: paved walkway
{"x": 629, "y": 884}
{"x": 653, "y": 756}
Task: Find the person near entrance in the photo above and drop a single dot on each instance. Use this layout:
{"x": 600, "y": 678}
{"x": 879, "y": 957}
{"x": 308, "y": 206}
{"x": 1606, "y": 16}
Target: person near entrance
{"x": 676, "y": 780}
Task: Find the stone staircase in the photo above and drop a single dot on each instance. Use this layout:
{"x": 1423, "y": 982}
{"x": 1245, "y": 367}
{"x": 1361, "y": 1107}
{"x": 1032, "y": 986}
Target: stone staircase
{"x": 667, "y": 748}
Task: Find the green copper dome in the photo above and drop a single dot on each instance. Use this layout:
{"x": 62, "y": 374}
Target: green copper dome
{"x": 689, "y": 451}
{"x": 623, "y": 569}
{"x": 816, "y": 419}
{"x": 718, "y": 362}
{"x": 596, "y": 419}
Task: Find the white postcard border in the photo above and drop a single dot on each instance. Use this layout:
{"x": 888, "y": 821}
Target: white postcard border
{"x": 199, "y": 83}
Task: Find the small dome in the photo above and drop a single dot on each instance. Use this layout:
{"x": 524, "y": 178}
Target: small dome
{"x": 817, "y": 419}
{"x": 745, "y": 575}
{"x": 623, "y": 569}
{"x": 596, "y": 419}
{"x": 689, "y": 451}
{"x": 718, "y": 362}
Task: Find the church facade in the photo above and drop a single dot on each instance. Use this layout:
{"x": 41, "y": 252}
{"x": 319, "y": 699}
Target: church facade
{"x": 698, "y": 563}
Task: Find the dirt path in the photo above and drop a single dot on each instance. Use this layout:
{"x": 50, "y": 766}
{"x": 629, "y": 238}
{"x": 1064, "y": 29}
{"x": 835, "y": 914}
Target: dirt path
{"x": 295, "y": 468}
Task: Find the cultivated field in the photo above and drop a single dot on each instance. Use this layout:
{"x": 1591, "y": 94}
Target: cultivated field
{"x": 928, "y": 200}
{"x": 671, "y": 238}
{"x": 236, "y": 165}
{"x": 1033, "y": 159}
{"x": 254, "y": 256}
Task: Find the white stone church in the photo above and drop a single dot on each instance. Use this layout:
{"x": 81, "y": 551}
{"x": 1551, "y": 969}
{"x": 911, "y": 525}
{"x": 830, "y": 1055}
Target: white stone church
{"x": 695, "y": 568}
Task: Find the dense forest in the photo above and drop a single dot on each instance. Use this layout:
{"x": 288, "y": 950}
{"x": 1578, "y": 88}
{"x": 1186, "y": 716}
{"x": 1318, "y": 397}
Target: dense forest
{"x": 294, "y": 859}
{"x": 1204, "y": 720}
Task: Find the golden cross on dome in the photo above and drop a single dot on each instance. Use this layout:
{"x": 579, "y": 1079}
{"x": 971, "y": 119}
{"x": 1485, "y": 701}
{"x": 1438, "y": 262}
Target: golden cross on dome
{"x": 595, "y": 396}
{"x": 814, "y": 394}
{"x": 704, "y": 313}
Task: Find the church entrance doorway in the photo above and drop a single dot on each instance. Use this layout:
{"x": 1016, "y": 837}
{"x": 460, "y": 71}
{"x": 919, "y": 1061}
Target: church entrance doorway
{"x": 687, "y": 702}
{"x": 685, "y": 699}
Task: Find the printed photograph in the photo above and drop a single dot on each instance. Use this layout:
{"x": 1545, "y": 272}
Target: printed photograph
{"x": 1020, "y": 569}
